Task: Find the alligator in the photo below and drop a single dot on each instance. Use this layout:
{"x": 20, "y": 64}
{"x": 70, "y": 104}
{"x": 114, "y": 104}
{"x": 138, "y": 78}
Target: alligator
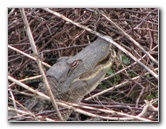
{"x": 71, "y": 78}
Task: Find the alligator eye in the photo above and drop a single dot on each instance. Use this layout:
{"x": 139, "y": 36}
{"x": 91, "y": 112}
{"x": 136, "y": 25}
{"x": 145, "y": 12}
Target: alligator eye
{"x": 74, "y": 64}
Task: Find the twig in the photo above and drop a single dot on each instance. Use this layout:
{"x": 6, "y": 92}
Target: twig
{"x": 28, "y": 113}
{"x": 114, "y": 87}
{"x": 153, "y": 108}
{"x": 17, "y": 110}
{"x": 28, "y": 88}
{"x": 121, "y": 70}
{"x": 29, "y": 33}
{"x": 13, "y": 99}
{"x": 23, "y": 108}
{"x": 73, "y": 105}
{"x": 17, "y": 50}
{"x": 144, "y": 19}
{"x": 99, "y": 116}
{"x": 129, "y": 54}
{"x": 147, "y": 29}
{"x": 140, "y": 94}
{"x": 51, "y": 25}
{"x": 63, "y": 48}
{"x": 130, "y": 38}
{"x": 26, "y": 79}
{"x": 11, "y": 12}
{"x": 146, "y": 107}
{"x": 103, "y": 37}
{"x": 106, "y": 111}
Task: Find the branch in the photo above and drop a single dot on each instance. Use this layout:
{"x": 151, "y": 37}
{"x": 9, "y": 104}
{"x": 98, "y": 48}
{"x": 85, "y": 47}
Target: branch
{"x": 76, "y": 107}
{"x": 28, "y": 88}
{"x": 26, "y": 79}
{"x": 25, "y": 54}
{"x": 108, "y": 39}
{"x": 33, "y": 46}
{"x": 130, "y": 38}
{"x": 115, "y": 87}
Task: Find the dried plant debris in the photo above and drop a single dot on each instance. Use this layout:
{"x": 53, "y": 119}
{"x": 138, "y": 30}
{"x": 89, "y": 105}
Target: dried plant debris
{"x": 127, "y": 93}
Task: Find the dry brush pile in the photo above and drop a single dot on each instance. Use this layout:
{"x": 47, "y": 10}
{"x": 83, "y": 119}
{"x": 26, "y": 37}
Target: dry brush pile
{"x": 129, "y": 92}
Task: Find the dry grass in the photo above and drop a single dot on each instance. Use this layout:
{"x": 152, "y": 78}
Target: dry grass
{"x": 129, "y": 91}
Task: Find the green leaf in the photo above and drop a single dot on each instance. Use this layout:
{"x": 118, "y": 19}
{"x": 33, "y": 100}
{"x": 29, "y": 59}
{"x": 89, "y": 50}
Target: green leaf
{"x": 117, "y": 77}
{"x": 132, "y": 74}
{"x": 150, "y": 97}
{"x": 148, "y": 76}
{"x": 104, "y": 86}
{"x": 125, "y": 60}
{"x": 110, "y": 71}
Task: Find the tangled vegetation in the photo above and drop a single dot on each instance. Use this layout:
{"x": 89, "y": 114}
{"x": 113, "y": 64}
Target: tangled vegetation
{"x": 129, "y": 92}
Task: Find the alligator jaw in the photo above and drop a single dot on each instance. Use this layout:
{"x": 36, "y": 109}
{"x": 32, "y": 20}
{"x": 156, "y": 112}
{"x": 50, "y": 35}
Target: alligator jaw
{"x": 92, "y": 63}
{"x": 72, "y": 78}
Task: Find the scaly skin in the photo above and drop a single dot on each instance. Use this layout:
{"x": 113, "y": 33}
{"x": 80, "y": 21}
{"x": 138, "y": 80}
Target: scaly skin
{"x": 72, "y": 78}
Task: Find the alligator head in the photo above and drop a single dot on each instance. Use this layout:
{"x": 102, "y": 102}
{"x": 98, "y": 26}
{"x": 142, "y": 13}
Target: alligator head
{"x": 71, "y": 78}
